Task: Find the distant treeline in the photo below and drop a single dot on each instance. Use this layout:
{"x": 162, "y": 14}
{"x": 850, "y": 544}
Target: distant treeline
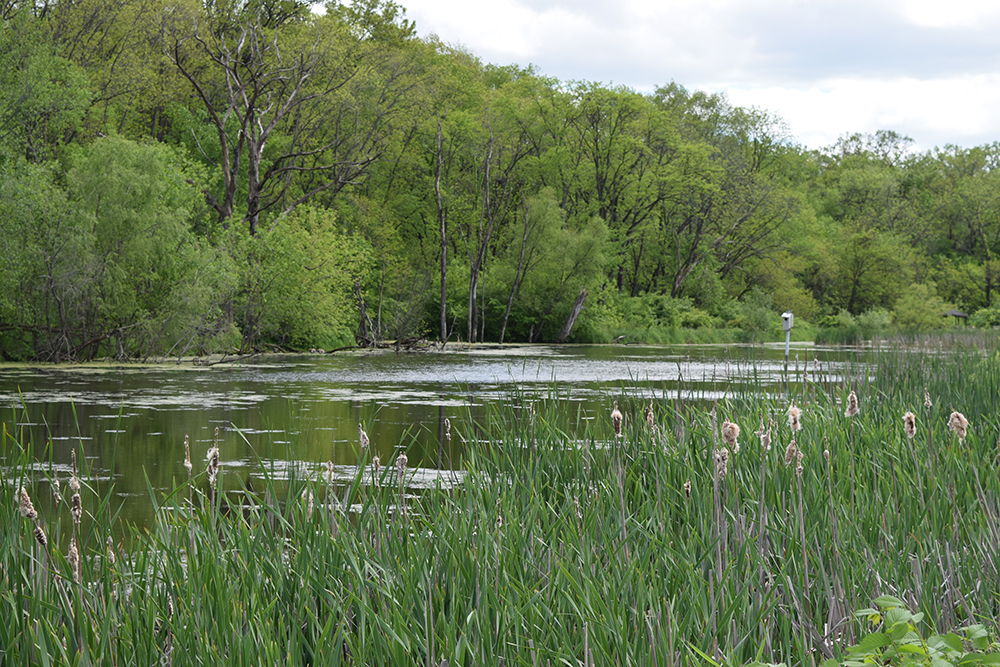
{"x": 181, "y": 177}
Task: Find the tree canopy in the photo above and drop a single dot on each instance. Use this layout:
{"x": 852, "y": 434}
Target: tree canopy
{"x": 182, "y": 177}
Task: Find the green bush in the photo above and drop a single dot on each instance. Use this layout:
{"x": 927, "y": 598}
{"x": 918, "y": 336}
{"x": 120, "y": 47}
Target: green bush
{"x": 985, "y": 317}
{"x": 896, "y": 640}
{"x": 920, "y": 308}
{"x": 874, "y": 322}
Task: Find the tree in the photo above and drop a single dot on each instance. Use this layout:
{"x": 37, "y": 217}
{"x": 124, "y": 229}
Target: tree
{"x": 268, "y": 74}
{"x": 43, "y": 96}
{"x": 869, "y": 269}
{"x": 730, "y": 206}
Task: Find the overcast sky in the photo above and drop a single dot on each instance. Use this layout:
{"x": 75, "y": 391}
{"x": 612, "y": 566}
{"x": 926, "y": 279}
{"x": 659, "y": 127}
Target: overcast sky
{"x": 929, "y": 69}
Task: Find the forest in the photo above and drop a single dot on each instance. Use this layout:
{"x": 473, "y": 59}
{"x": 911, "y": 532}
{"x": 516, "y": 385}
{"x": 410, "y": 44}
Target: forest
{"x": 185, "y": 177}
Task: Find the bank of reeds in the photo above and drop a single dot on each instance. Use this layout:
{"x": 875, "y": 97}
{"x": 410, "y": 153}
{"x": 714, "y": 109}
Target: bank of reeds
{"x": 682, "y": 540}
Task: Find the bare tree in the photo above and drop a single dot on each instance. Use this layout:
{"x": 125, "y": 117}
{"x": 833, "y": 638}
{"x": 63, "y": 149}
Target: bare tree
{"x": 308, "y": 81}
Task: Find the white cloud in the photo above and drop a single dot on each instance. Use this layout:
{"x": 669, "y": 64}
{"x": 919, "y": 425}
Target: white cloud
{"x": 975, "y": 14}
{"x": 925, "y": 68}
{"x": 933, "y": 113}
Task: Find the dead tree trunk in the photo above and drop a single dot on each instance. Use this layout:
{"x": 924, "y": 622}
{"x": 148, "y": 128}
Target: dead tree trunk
{"x": 573, "y": 314}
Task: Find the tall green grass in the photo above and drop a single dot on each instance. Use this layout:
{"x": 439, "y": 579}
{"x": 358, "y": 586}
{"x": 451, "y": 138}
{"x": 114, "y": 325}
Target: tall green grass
{"x": 563, "y": 544}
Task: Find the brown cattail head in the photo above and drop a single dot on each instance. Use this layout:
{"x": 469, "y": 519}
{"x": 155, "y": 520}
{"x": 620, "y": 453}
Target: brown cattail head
{"x": 73, "y": 558}
{"x": 852, "y": 405}
{"x": 791, "y": 451}
{"x": 401, "y": 461}
{"x": 363, "y": 437}
{"x": 798, "y": 460}
{"x": 40, "y": 536}
{"x": 730, "y": 433}
{"x": 27, "y": 509}
{"x": 56, "y": 494}
{"x": 616, "y": 420}
{"x": 447, "y": 429}
{"x": 794, "y": 413}
{"x": 376, "y": 466}
{"x": 74, "y": 480}
{"x": 910, "y": 424}
{"x": 958, "y": 424}
{"x": 650, "y": 417}
{"x": 111, "y": 551}
{"x": 76, "y": 508}
{"x": 307, "y": 502}
{"x": 722, "y": 463}
{"x": 213, "y": 465}
{"x": 826, "y": 454}
{"x": 927, "y": 399}
{"x": 187, "y": 455}
{"x": 687, "y": 489}
{"x": 328, "y": 473}
{"x": 765, "y": 435}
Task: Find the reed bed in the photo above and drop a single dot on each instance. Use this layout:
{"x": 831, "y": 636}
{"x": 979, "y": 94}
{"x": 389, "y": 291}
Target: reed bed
{"x": 745, "y": 531}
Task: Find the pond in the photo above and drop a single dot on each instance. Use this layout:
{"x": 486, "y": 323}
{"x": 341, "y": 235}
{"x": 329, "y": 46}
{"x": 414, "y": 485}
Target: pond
{"x": 292, "y": 414}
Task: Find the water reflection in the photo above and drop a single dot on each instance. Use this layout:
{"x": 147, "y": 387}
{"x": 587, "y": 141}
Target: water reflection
{"x": 295, "y": 413}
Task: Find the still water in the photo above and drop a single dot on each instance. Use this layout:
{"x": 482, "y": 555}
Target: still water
{"x": 289, "y": 415}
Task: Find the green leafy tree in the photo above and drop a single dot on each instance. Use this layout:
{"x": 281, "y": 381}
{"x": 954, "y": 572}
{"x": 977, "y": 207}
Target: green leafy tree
{"x": 919, "y": 308}
{"x": 42, "y": 95}
{"x": 297, "y": 285}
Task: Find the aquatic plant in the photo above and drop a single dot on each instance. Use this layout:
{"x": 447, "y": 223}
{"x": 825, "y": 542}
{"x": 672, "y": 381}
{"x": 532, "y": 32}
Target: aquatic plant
{"x": 649, "y": 548}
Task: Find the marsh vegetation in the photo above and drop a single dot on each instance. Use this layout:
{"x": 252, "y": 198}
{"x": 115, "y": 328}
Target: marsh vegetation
{"x": 751, "y": 528}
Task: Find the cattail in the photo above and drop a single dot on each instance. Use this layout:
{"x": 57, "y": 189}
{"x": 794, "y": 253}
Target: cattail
{"x": 401, "y": 467}
{"x": 730, "y": 433}
{"x": 328, "y": 472}
{"x": 307, "y": 502}
{"x": 27, "y": 509}
{"x": 791, "y": 451}
{"x": 73, "y": 558}
{"x": 722, "y": 463}
{"x": 76, "y": 508}
{"x": 793, "y": 418}
{"x": 40, "y": 536}
{"x": 447, "y": 429}
{"x": 499, "y": 515}
{"x": 363, "y": 437}
{"x": 74, "y": 480}
{"x": 927, "y": 399}
{"x": 616, "y": 420}
{"x": 798, "y": 468}
{"x": 187, "y": 456}
{"x": 650, "y": 417}
{"x": 910, "y": 424}
{"x": 826, "y": 454}
{"x": 213, "y": 465}
{"x": 576, "y": 505}
{"x": 687, "y": 489}
{"x": 55, "y": 489}
{"x": 765, "y": 436}
{"x": 958, "y": 424}
{"x": 111, "y": 551}
{"x": 852, "y": 405}
{"x": 376, "y": 466}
